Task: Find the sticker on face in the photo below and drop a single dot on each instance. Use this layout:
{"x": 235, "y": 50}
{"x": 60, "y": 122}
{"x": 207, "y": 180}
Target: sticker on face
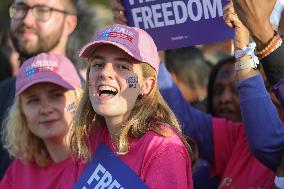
{"x": 132, "y": 81}
{"x": 71, "y": 107}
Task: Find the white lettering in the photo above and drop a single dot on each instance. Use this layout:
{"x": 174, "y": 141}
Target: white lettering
{"x": 114, "y": 184}
{"x": 131, "y": 2}
{"x": 105, "y": 181}
{"x": 175, "y": 12}
{"x": 95, "y": 175}
{"x": 207, "y": 6}
{"x": 157, "y": 15}
{"x": 167, "y": 14}
{"x": 190, "y": 10}
{"x": 137, "y": 19}
{"x": 43, "y": 64}
{"x": 180, "y": 19}
{"x": 147, "y": 17}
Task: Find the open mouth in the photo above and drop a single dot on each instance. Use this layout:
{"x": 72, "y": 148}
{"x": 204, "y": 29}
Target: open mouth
{"x": 107, "y": 91}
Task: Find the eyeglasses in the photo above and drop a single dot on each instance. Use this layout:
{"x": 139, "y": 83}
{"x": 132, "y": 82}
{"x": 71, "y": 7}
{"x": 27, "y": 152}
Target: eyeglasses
{"x": 40, "y": 12}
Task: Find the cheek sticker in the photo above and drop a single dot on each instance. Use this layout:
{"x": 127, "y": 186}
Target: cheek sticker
{"x": 132, "y": 81}
{"x": 71, "y": 107}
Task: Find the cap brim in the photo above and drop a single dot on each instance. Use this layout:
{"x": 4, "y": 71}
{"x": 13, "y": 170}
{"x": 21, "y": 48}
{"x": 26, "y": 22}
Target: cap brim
{"x": 57, "y": 81}
{"x": 89, "y": 49}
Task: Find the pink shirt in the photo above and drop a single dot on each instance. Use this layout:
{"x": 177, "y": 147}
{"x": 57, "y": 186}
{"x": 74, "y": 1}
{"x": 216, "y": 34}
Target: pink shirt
{"x": 234, "y": 162}
{"x": 162, "y": 163}
{"x": 30, "y": 176}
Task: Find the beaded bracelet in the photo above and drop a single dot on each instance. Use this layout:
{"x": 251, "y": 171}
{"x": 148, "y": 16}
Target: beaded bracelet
{"x": 275, "y": 43}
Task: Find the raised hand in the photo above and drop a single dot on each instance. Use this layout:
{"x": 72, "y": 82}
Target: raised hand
{"x": 255, "y": 15}
{"x": 241, "y": 38}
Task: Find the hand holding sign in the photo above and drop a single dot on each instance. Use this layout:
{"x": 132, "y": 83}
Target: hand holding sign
{"x": 255, "y": 15}
{"x": 241, "y": 38}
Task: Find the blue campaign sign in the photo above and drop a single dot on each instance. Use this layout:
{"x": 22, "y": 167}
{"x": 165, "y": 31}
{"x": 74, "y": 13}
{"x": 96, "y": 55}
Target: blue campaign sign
{"x": 179, "y": 23}
{"x": 106, "y": 170}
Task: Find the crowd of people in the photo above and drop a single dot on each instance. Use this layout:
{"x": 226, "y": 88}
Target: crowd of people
{"x": 138, "y": 119}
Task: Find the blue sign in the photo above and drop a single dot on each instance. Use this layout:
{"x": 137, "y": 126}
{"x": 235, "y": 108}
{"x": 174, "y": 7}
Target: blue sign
{"x": 107, "y": 171}
{"x": 179, "y": 23}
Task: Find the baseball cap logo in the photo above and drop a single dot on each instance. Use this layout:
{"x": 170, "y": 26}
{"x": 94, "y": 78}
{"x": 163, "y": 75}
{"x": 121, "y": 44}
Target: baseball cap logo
{"x": 41, "y": 66}
{"x": 117, "y": 32}
{"x": 120, "y": 35}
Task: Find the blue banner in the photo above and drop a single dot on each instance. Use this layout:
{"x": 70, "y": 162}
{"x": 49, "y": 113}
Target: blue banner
{"x": 179, "y": 23}
{"x": 107, "y": 171}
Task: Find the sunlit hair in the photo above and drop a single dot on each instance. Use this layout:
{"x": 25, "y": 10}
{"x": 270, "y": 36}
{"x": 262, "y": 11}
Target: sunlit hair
{"x": 148, "y": 113}
{"x": 20, "y": 142}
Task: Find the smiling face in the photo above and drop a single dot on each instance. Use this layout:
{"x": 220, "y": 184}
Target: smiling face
{"x": 48, "y": 110}
{"x": 115, "y": 82}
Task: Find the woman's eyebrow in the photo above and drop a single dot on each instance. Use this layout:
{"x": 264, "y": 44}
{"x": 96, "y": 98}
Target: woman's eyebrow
{"x": 124, "y": 59}
{"x": 97, "y": 57}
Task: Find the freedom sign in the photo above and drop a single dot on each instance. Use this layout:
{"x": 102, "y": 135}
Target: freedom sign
{"x": 106, "y": 170}
{"x": 179, "y": 23}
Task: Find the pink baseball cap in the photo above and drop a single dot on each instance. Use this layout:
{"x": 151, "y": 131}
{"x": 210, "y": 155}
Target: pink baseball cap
{"x": 134, "y": 41}
{"x": 47, "y": 67}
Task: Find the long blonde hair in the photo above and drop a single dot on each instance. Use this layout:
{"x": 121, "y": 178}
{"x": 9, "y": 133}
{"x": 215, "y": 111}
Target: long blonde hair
{"x": 147, "y": 114}
{"x": 20, "y": 142}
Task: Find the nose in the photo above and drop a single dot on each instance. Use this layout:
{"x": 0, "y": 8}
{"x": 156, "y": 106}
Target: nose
{"x": 226, "y": 96}
{"x": 29, "y": 18}
{"x": 107, "y": 72}
{"x": 45, "y": 108}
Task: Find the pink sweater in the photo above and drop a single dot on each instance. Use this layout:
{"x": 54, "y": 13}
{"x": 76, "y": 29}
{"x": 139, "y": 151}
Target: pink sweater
{"x": 162, "y": 163}
{"x": 27, "y": 176}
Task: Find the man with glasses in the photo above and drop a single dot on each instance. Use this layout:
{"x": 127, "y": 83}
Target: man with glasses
{"x": 42, "y": 26}
{"x": 36, "y": 26}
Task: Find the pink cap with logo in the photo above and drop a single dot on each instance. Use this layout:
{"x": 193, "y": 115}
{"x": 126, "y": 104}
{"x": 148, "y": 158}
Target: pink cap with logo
{"x": 134, "y": 41}
{"x": 47, "y": 67}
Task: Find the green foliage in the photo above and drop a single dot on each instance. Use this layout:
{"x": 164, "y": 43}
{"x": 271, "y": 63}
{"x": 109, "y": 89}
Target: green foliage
{"x": 103, "y": 2}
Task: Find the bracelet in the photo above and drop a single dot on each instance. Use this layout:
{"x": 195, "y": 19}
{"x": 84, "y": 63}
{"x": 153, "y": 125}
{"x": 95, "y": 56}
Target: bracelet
{"x": 241, "y": 65}
{"x": 274, "y": 43}
{"x": 248, "y": 50}
{"x": 279, "y": 182}
{"x": 276, "y": 46}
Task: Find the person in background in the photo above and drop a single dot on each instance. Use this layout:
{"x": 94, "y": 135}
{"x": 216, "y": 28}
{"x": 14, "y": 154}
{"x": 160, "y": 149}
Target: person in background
{"x": 190, "y": 71}
{"x": 36, "y": 26}
{"x": 252, "y": 13}
{"x": 223, "y": 99}
{"x": 123, "y": 111}
{"x": 47, "y": 93}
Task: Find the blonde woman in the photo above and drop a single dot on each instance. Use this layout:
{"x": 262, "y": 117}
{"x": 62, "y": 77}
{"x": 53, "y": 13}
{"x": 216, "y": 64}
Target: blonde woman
{"x": 47, "y": 93}
{"x": 122, "y": 109}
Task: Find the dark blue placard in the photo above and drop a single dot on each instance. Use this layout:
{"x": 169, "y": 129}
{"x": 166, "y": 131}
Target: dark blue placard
{"x": 202, "y": 21}
{"x": 106, "y": 170}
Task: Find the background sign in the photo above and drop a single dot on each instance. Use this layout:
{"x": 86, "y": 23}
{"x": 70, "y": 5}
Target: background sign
{"x": 179, "y": 23}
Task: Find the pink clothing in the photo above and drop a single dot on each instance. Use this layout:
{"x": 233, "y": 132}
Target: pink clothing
{"x": 30, "y": 176}
{"x": 162, "y": 163}
{"x": 234, "y": 162}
